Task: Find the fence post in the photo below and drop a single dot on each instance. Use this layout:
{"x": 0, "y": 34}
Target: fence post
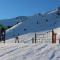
{"x": 32, "y": 40}
{"x": 4, "y": 36}
{"x": 53, "y": 37}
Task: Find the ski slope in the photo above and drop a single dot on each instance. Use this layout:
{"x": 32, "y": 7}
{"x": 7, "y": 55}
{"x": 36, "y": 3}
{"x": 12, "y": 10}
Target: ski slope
{"x": 36, "y": 23}
{"x": 29, "y": 52}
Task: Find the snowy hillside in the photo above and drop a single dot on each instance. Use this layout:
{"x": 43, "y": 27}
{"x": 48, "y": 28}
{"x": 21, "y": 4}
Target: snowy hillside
{"x": 36, "y": 23}
{"x": 29, "y": 52}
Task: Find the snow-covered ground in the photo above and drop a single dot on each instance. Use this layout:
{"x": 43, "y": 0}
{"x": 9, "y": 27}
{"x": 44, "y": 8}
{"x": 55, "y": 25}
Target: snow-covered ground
{"x": 29, "y": 52}
{"x": 41, "y": 37}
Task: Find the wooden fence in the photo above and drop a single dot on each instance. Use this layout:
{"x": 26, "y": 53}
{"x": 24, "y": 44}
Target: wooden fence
{"x": 44, "y": 37}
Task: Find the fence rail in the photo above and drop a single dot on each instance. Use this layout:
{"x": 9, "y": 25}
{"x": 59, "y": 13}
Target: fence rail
{"x": 43, "y": 37}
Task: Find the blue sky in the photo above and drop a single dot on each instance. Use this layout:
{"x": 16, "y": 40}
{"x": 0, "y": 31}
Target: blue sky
{"x": 13, "y": 8}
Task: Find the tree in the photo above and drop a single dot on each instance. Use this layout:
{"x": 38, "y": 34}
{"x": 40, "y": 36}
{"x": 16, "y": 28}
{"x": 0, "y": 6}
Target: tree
{"x": 3, "y": 27}
{"x": 2, "y": 33}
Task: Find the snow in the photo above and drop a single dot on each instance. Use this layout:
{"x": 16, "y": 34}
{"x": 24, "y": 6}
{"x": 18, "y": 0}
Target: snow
{"x": 13, "y": 26}
{"x": 36, "y": 23}
{"x": 25, "y": 29}
{"x": 32, "y": 24}
{"x": 15, "y": 51}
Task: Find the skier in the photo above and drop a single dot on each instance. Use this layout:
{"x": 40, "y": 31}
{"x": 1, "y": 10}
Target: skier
{"x": 17, "y": 39}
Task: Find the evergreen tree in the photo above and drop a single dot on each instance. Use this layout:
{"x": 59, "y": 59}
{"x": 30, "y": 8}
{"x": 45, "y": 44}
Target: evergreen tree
{"x": 2, "y": 33}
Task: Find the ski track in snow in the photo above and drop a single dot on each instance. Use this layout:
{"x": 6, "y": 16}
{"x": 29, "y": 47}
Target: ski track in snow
{"x": 7, "y": 50}
{"x": 30, "y": 52}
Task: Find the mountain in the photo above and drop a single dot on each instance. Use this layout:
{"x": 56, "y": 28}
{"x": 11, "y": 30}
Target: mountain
{"x": 36, "y": 23}
{"x": 27, "y": 26}
{"x": 13, "y": 21}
